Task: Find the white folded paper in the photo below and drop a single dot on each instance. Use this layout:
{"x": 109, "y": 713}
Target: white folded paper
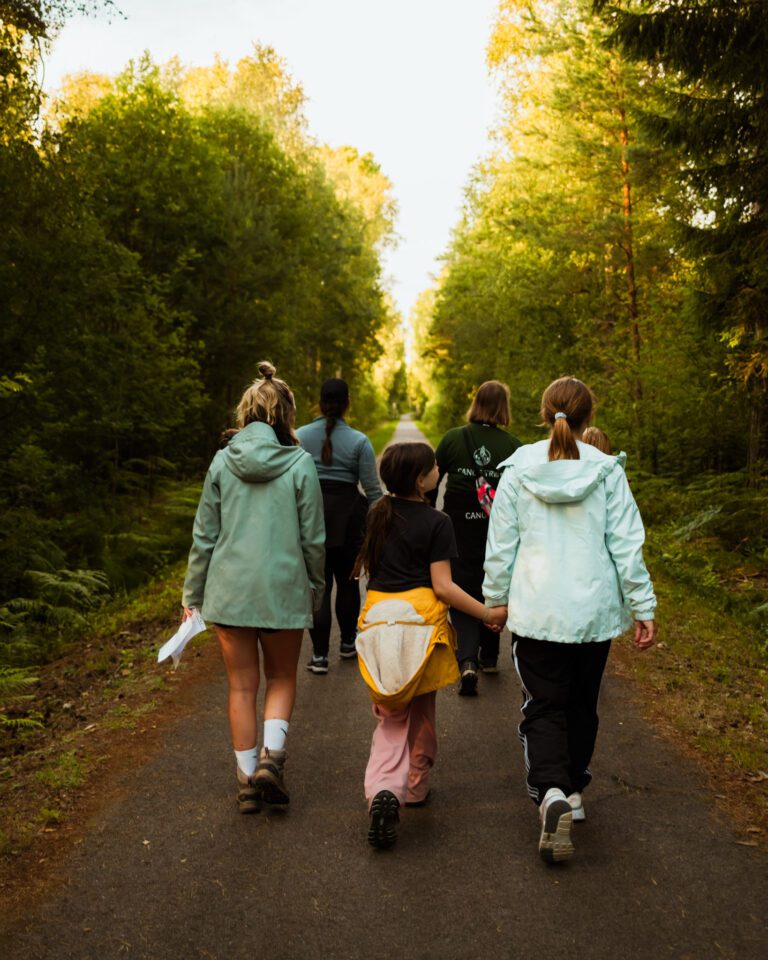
{"x": 175, "y": 646}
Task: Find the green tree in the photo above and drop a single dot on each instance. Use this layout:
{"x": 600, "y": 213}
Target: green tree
{"x": 710, "y": 73}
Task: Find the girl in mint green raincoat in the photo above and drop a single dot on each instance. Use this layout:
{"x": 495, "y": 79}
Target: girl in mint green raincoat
{"x": 564, "y": 557}
{"x": 256, "y": 570}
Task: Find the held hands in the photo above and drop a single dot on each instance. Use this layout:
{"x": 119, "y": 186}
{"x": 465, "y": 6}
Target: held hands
{"x": 495, "y": 618}
{"x": 645, "y": 634}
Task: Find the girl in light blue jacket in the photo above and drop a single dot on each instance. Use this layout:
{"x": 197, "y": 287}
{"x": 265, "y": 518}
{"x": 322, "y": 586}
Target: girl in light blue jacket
{"x": 564, "y": 557}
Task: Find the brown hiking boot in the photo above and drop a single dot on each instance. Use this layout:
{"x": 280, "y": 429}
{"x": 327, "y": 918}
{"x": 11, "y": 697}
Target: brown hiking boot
{"x": 248, "y": 798}
{"x": 268, "y": 779}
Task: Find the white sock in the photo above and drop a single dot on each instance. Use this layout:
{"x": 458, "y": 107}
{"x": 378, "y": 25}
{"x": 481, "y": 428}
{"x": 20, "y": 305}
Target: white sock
{"x": 275, "y": 732}
{"x": 248, "y": 760}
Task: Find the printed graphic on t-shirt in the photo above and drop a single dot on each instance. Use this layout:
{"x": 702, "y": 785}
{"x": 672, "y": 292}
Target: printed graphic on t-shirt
{"x": 482, "y": 456}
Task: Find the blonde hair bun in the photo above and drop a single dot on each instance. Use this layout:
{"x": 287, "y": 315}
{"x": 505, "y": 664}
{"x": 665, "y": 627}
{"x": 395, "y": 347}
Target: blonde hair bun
{"x": 266, "y": 369}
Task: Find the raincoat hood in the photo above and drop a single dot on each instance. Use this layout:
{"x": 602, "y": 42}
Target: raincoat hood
{"x": 561, "y": 481}
{"x": 567, "y": 481}
{"x": 257, "y": 456}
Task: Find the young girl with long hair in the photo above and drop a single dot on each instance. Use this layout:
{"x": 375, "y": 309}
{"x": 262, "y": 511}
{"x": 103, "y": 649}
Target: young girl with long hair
{"x": 406, "y": 644}
{"x": 565, "y": 562}
{"x": 256, "y": 570}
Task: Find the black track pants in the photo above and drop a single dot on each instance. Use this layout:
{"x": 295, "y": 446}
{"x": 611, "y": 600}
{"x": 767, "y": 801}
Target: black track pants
{"x": 561, "y": 684}
{"x": 473, "y": 639}
{"x": 338, "y": 566}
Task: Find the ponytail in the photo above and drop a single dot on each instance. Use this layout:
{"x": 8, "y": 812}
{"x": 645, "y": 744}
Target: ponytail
{"x": 379, "y": 523}
{"x": 562, "y": 443}
{"x": 326, "y": 454}
{"x": 334, "y": 402}
{"x": 566, "y": 407}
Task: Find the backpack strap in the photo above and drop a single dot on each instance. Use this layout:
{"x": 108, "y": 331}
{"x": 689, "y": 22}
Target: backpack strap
{"x": 470, "y": 452}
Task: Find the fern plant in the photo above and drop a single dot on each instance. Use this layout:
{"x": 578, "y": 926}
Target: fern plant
{"x": 13, "y": 686}
{"x": 32, "y": 627}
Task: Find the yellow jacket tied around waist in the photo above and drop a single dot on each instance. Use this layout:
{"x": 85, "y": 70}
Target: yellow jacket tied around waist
{"x": 405, "y": 645}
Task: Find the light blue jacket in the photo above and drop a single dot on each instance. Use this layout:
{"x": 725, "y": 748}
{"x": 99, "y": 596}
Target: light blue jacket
{"x": 353, "y": 458}
{"x": 258, "y": 543}
{"x": 565, "y": 547}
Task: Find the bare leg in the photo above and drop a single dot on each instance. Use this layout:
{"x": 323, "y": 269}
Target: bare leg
{"x": 281, "y": 659}
{"x": 240, "y": 650}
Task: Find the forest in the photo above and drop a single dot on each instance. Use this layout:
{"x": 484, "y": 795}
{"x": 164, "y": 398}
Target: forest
{"x": 618, "y": 231}
{"x": 166, "y": 228}
{"x": 163, "y": 231}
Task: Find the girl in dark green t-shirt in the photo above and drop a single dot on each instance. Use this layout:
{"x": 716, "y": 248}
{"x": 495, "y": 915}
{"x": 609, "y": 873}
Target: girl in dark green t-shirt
{"x": 463, "y": 454}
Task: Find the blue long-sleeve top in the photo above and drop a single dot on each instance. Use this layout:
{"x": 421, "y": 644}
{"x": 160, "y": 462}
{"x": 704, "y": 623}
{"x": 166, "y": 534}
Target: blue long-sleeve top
{"x": 352, "y": 461}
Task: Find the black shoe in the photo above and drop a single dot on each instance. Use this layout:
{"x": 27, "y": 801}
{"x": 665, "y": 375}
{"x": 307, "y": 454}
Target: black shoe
{"x": 468, "y": 682}
{"x": 348, "y": 650}
{"x": 318, "y": 664}
{"x": 382, "y": 832}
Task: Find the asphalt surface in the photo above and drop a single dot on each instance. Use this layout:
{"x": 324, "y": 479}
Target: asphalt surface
{"x": 171, "y": 870}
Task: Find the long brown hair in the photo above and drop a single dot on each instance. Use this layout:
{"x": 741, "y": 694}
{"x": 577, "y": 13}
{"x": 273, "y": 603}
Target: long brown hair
{"x": 566, "y": 406}
{"x": 401, "y": 466}
{"x": 490, "y": 404}
{"x": 269, "y": 400}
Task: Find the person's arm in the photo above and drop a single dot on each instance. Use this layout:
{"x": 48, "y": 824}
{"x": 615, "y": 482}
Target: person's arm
{"x": 309, "y": 503}
{"x": 367, "y": 472}
{"x": 502, "y": 542}
{"x": 624, "y": 538}
{"x": 205, "y": 533}
{"x": 452, "y": 594}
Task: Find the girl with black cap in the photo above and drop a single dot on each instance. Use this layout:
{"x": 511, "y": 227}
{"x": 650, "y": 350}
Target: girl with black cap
{"x": 344, "y": 458}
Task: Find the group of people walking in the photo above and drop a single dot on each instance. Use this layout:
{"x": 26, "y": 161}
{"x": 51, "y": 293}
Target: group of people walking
{"x": 543, "y": 538}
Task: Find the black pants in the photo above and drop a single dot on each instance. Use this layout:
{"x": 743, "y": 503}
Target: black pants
{"x": 561, "y": 684}
{"x": 474, "y": 641}
{"x": 338, "y": 565}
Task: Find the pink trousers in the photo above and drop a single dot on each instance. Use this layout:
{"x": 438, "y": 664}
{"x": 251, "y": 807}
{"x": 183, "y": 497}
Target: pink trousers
{"x": 403, "y": 750}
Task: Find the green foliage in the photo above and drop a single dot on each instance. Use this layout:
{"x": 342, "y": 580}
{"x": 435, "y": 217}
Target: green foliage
{"x": 711, "y": 535}
{"x": 709, "y": 76}
{"x": 186, "y": 227}
{"x": 567, "y": 260}
{"x": 13, "y": 686}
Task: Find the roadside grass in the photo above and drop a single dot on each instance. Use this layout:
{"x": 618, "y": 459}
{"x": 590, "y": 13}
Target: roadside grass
{"x": 107, "y": 687}
{"x": 704, "y": 684}
{"x": 382, "y": 434}
{"x": 430, "y": 431}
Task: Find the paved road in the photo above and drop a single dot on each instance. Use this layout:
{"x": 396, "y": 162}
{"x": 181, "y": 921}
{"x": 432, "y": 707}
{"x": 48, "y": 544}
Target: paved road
{"x": 655, "y": 874}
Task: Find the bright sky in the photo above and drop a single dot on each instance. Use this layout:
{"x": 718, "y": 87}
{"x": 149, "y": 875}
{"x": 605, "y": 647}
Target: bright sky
{"x": 405, "y": 80}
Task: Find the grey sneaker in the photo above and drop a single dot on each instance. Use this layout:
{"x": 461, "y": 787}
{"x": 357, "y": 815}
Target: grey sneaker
{"x": 577, "y": 806}
{"x": 318, "y": 664}
{"x": 555, "y": 843}
{"x": 348, "y": 650}
{"x": 248, "y": 799}
{"x": 268, "y": 779}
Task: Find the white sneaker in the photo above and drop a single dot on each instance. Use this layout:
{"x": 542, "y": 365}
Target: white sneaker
{"x": 555, "y": 843}
{"x": 577, "y": 806}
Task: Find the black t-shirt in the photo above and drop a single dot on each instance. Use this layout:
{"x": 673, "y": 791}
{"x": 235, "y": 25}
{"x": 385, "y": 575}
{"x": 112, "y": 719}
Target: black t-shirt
{"x": 419, "y": 535}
